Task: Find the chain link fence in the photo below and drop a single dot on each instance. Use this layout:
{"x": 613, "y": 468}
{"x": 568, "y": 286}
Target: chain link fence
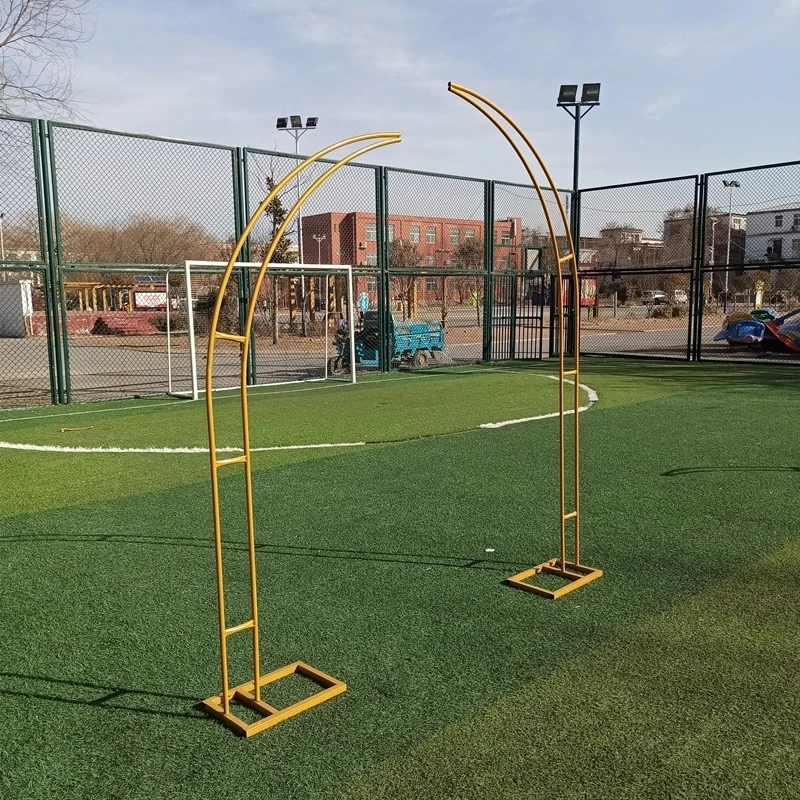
{"x": 26, "y": 341}
{"x": 95, "y": 227}
{"x": 637, "y": 262}
{"x": 750, "y": 285}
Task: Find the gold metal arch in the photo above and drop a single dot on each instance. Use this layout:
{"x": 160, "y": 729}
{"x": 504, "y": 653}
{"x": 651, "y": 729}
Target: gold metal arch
{"x": 575, "y": 573}
{"x": 249, "y": 693}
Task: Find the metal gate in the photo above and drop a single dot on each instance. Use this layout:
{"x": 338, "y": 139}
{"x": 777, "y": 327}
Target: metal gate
{"x": 519, "y": 300}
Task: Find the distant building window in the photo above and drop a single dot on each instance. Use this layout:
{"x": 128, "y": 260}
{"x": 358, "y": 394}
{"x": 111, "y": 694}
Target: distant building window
{"x": 413, "y": 233}
{"x": 372, "y": 284}
{"x": 454, "y": 238}
{"x": 779, "y": 220}
{"x": 430, "y": 261}
{"x": 469, "y": 233}
{"x": 795, "y": 248}
{"x": 371, "y": 260}
{"x": 390, "y": 232}
{"x": 775, "y": 250}
{"x": 430, "y": 235}
{"x": 372, "y": 234}
{"x": 504, "y": 262}
{"x": 796, "y": 221}
{"x": 430, "y": 284}
{"x": 505, "y": 237}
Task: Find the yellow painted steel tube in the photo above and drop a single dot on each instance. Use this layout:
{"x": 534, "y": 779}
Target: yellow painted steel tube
{"x": 475, "y": 99}
{"x": 248, "y": 328}
{"x": 385, "y": 138}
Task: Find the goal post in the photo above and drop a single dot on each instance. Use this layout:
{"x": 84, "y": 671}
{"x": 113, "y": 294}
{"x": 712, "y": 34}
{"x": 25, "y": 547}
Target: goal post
{"x": 304, "y": 324}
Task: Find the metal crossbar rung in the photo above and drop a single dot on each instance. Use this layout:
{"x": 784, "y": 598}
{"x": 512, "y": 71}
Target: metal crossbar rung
{"x": 568, "y": 372}
{"x": 567, "y": 257}
{"x": 239, "y": 628}
{"x": 233, "y": 337}
{"x": 224, "y": 462}
{"x": 571, "y": 515}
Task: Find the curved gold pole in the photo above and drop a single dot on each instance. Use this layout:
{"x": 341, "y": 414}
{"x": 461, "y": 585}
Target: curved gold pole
{"x": 575, "y": 572}
{"x": 250, "y": 693}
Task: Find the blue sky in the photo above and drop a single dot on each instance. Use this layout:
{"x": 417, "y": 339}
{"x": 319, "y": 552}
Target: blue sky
{"x": 688, "y": 86}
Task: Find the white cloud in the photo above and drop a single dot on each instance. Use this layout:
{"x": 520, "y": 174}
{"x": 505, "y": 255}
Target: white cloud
{"x": 376, "y": 36}
{"x": 658, "y": 107}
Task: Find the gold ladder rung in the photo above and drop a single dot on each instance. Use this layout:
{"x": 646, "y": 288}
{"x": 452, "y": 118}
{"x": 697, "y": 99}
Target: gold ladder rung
{"x": 224, "y": 462}
{"x": 239, "y": 628}
{"x": 567, "y": 257}
{"x": 233, "y": 337}
{"x": 571, "y": 515}
{"x": 568, "y": 372}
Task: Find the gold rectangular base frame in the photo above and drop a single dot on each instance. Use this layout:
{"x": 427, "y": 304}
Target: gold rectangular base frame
{"x": 271, "y": 715}
{"x": 577, "y": 574}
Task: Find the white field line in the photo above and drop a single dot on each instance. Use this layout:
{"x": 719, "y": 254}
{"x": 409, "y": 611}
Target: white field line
{"x": 591, "y": 395}
{"x": 53, "y": 448}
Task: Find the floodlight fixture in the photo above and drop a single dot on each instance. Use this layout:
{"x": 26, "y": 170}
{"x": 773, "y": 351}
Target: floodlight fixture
{"x": 591, "y": 93}
{"x": 311, "y": 122}
{"x": 567, "y": 94}
{"x": 732, "y": 184}
{"x": 282, "y": 123}
{"x": 297, "y": 121}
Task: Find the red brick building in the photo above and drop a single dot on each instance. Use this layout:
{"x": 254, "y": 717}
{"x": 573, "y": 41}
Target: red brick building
{"x": 351, "y": 238}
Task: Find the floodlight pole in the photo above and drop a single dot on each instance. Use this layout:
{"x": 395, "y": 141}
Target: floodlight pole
{"x": 730, "y": 186}
{"x": 296, "y": 131}
{"x": 577, "y": 109}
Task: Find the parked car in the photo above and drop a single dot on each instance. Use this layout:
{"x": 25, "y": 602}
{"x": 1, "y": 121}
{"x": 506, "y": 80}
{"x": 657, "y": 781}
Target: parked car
{"x": 680, "y": 297}
{"x": 655, "y": 298}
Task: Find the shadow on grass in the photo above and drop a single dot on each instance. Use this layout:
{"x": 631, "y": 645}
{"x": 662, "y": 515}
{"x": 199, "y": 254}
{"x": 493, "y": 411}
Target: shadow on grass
{"x": 417, "y": 559}
{"x": 97, "y": 695}
{"x": 752, "y": 470}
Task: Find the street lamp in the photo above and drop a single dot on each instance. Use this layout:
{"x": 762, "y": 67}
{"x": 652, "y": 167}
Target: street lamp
{"x": 2, "y": 240}
{"x": 293, "y": 125}
{"x": 319, "y": 238}
{"x": 730, "y": 186}
{"x": 577, "y": 109}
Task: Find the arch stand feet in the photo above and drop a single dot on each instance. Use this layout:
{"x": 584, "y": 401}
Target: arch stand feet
{"x": 270, "y": 715}
{"x": 577, "y": 574}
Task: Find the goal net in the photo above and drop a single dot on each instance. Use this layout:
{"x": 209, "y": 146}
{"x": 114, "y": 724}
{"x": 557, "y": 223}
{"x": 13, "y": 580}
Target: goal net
{"x": 303, "y": 328}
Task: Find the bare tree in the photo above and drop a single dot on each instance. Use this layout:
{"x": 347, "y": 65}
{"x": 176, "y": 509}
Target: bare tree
{"x": 38, "y": 44}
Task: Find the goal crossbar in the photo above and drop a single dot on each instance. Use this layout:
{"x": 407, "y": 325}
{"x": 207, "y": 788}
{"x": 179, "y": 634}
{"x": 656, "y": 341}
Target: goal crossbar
{"x": 195, "y": 267}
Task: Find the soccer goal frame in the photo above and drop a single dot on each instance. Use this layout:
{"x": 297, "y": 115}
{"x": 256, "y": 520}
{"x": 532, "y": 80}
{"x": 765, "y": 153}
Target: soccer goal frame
{"x": 194, "y": 267}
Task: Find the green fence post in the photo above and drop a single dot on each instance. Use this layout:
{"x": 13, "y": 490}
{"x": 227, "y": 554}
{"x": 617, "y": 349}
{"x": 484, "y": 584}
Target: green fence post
{"x": 239, "y": 223}
{"x": 52, "y": 242}
{"x": 382, "y": 231}
{"x": 699, "y": 241}
{"x": 488, "y": 266}
{"x": 45, "y": 271}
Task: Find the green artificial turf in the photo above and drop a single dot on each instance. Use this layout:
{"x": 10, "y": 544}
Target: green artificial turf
{"x": 670, "y": 677}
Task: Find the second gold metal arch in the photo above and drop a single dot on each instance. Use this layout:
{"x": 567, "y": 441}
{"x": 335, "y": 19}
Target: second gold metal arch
{"x": 573, "y": 571}
{"x": 250, "y": 693}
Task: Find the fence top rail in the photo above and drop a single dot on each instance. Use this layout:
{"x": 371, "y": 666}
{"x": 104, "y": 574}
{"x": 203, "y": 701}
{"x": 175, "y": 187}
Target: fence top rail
{"x": 13, "y": 118}
{"x": 436, "y": 174}
{"x": 300, "y": 157}
{"x": 753, "y": 169}
{"x": 146, "y": 136}
{"x": 639, "y": 183}
{"x": 530, "y": 186}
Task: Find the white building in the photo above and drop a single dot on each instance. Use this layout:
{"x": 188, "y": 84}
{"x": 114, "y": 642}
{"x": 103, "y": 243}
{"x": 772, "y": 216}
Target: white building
{"x": 773, "y": 235}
